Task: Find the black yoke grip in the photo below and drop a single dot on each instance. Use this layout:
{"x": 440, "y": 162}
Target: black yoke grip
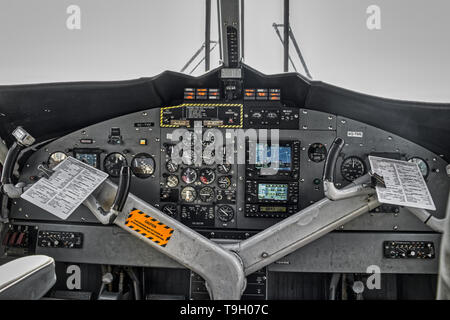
{"x": 122, "y": 189}
{"x": 10, "y": 162}
{"x": 330, "y": 163}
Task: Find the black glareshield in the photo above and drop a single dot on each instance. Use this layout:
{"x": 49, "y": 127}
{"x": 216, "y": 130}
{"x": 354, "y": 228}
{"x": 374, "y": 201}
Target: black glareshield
{"x": 10, "y": 162}
{"x": 330, "y": 163}
{"x": 123, "y": 188}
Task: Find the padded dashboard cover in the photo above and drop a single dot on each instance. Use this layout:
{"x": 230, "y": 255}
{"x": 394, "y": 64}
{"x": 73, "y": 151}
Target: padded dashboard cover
{"x": 54, "y": 109}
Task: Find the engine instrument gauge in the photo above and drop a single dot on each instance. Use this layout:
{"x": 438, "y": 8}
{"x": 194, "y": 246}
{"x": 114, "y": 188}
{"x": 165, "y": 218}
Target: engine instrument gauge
{"x": 113, "y": 163}
{"x": 189, "y": 157}
{"x": 224, "y": 168}
{"x": 352, "y": 168}
{"x": 170, "y": 209}
{"x": 224, "y": 182}
{"x": 423, "y": 165}
{"x": 172, "y": 181}
{"x": 188, "y": 138}
{"x": 171, "y": 167}
{"x": 56, "y": 158}
{"x": 206, "y": 194}
{"x": 225, "y": 213}
{"x": 209, "y": 156}
{"x": 188, "y": 194}
{"x": 143, "y": 165}
{"x": 317, "y": 152}
{"x": 207, "y": 176}
{"x": 189, "y": 175}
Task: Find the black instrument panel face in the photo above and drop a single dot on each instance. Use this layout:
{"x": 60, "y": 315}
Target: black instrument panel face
{"x": 211, "y": 193}
{"x": 222, "y": 115}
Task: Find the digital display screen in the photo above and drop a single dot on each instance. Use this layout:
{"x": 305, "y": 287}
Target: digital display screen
{"x": 273, "y": 191}
{"x": 264, "y": 157}
{"x": 272, "y": 209}
{"x": 88, "y": 158}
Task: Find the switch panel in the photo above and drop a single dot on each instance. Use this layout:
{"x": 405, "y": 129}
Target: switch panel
{"x": 60, "y": 239}
{"x": 409, "y": 250}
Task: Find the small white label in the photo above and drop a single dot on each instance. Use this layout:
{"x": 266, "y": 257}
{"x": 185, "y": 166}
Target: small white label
{"x": 70, "y": 184}
{"x": 355, "y": 134}
{"x": 405, "y": 185}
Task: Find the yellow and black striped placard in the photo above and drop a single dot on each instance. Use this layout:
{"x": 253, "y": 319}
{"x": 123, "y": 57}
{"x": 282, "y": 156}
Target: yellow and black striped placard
{"x": 149, "y": 227}
{"x": 238, "y": 125}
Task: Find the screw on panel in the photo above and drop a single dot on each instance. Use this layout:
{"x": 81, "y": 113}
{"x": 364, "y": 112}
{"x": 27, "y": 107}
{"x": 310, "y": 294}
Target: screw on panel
{"x": 395, "y": 228}
{"x": 264, "y": 255}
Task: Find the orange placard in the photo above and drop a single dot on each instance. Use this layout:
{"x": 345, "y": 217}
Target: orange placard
{"x": 149, "y": 227}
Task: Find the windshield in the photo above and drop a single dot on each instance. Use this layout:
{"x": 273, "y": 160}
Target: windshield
{"x": 397, "y": 49}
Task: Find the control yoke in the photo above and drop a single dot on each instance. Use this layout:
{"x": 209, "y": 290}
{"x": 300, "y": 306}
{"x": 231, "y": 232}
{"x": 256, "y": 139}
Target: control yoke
{"x": 23, "y": 140}
{"x": 330, "y": 190}
{"x": 123, "y": 189}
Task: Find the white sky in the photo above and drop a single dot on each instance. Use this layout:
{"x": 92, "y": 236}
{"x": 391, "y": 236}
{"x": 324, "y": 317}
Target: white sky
{"x": 407, "y": 59}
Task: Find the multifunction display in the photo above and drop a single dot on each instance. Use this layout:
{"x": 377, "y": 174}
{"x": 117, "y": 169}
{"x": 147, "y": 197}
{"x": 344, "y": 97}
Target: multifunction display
{"x": 273, "y": 162}
{"x": 278, "y": 192}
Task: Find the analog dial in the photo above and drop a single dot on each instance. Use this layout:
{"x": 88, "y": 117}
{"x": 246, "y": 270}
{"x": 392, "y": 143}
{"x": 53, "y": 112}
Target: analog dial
{"x": 317, "y": 152}
{"x": 189, "y": 157}
{"x": 172, "y": 181}
{"x": 188, "y": 194}
{"x": 143, "y": 165}
{"x": 170, "y": 209}
{"x": 352, "y": 168}
{"x": 113, "y": 163}
{"x": 423, "y": 165}
{"x": 224, "y": 182}
{"x": 206, "y": 194}
{"x": 224, "y": 168}
{"x": 189, "y": 175}
{"x": 207, "y": 176}
{"x": 225, "y": 213}
{"x": 56, "y": 158}
{"x": 171, "y": 166}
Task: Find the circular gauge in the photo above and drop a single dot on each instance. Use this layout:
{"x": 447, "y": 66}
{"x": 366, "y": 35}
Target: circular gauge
{"x": 189, "y": 157}
{"x": 317, "y": 152}
{"x": 188, "y": 194}
{"x": 207, "y": 176}
{"x": 188, "y": 138}
{"x": 170, "y": 209}
{"x": 352, "y": 168}
{"x": 56, "y": 158}
{"x": 143, "y": 165}
{"x": 189, "y": 175}
{"x": 423, "y": 165}
{"x": 224, "y": 168}
{"x": 206, "y": 194}
{"x": 225, "y": 213}
{"x": 209, "y": 156}
{"x": 113, "y": 163}
{"x": 171, "y": 167}
{"x": 172, "y": 181}
{"x": 224, "y": 182}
